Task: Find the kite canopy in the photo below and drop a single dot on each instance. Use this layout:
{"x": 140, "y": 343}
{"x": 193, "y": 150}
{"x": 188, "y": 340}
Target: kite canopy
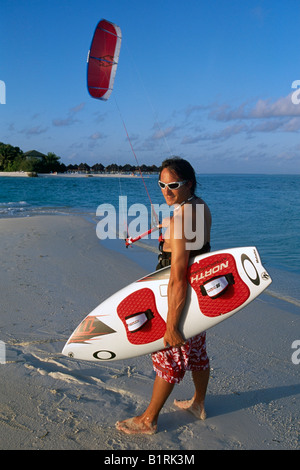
{"x": 103, "y": 59}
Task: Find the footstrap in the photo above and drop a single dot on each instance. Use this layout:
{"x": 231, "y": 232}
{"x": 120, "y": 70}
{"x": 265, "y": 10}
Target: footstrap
{"x": 217, "y": 285}
{"x": 136, "y": 321}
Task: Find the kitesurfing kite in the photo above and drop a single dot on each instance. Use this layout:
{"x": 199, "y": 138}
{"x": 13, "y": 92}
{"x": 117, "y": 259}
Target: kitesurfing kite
{"x": 103, "y": 59}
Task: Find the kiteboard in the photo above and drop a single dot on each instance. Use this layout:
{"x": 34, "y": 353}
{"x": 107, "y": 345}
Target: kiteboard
{"x": 132, "y": 322}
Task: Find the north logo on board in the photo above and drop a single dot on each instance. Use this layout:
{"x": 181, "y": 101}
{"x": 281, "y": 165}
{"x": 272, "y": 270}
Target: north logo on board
{"x": 209, "y": 272}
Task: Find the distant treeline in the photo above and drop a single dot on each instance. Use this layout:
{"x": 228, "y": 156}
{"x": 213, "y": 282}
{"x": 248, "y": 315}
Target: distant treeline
{"x": 14, "y": 159}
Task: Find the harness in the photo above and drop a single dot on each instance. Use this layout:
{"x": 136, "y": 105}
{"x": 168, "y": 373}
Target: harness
{"x": 164, "y": 257}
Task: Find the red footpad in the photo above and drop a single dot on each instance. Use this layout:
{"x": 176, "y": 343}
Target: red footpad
{"x": 210, "y": 268}
{"x": 141, "y": 319}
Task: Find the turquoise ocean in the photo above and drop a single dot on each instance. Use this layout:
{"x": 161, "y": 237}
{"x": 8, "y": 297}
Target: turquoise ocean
{"x": 255, "y": 210}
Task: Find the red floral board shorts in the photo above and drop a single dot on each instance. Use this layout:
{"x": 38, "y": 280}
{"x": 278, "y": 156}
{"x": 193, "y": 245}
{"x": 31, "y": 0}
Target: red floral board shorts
{"x": 170, "y": 364}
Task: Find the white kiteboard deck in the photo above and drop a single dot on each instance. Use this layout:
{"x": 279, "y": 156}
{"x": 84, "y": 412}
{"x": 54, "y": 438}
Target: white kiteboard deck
{"x": 131, "y": 322}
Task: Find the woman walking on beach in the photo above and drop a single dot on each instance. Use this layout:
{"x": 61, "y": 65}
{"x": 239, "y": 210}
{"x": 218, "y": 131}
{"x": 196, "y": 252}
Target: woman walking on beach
{"x": 177, "y": 181}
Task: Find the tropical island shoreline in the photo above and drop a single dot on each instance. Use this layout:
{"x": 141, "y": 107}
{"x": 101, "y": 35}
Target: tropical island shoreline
{"x": 68, "y": 174}
{"x": 14, "y": 162}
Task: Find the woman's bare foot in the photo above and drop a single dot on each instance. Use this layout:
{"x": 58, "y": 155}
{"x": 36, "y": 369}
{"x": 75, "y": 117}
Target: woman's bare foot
{"x": 189, "y": 405}
{"x": 138, "y": 425}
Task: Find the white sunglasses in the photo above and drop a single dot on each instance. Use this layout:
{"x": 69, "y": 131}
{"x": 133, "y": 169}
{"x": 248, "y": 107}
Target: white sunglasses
{"x": 174, "y": 185}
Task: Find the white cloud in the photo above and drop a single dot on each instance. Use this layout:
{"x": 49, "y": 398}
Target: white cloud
{"x": 97, "y": 136}
{"x": 263, "y": 109}
{"x": 220, "y": 135}
{"x": 163, "y": 133}
{"x": 77, "y": 108}
{"x": 283, "y": 107}
{"x": 70, "y": 119}
{"x": 36, "y": 130}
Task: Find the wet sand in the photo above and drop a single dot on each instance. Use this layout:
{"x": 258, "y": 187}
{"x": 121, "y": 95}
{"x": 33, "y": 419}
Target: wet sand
{"x": 53, "y": 272}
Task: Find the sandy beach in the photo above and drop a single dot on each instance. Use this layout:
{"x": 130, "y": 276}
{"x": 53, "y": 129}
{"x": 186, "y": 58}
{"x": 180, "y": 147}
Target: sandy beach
{"x": 12, "y": 174}
{"x": 54, "y": 271}
{"x": 26, "y": 174}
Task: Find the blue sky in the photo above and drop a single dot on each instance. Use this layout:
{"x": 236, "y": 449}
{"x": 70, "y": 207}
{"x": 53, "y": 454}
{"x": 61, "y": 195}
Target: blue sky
{"x": 210, "y": 81}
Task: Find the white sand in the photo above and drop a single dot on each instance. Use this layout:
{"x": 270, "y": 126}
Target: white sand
{"x": 14, "y": 173}
{"x": 53, "y": 272}
{"x": 70, "y": 175}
